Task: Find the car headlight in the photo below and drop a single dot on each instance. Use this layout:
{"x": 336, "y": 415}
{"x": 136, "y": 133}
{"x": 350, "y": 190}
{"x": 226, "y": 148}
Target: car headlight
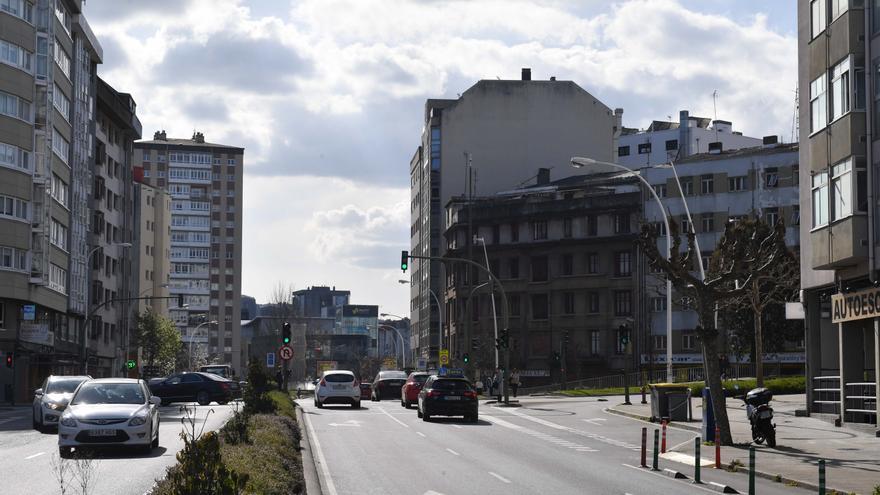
{"x": 137, "y": 421}
{"x": 68, "y": 421}
{"x": 54, "y": 405}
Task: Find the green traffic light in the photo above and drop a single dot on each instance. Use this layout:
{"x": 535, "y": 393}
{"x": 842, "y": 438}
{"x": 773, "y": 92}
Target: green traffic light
{"x": 286, "y": 340}
{"x": 130, "y": 364}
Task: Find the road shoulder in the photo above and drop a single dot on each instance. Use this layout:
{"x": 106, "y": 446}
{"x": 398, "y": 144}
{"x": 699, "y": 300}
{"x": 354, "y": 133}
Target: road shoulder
{"x": 310, "y": 468}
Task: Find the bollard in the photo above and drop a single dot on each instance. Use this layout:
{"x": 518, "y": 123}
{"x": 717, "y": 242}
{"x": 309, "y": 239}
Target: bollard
{"x": 644, "y": 401}
{"x": 644, "y": 447}
{"x": 717, "y": 447}
{"x": 663, "y": 442}
{"x": 821, "y": 476}
{"x": 656, "y": 450}
{"x": 697, "y": 460}
{"x": 751, "y": 471}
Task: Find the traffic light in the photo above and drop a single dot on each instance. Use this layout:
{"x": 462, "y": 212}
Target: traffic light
{"x": 498, "y": 343}
{"x": 9, "y": 359}
{"x": 285, "y": 333}
{"x": 565, "y": 337}
{"x": 475, "y": 343}
{"x": 131, "y": 364}
{"x": 556, "y": 356}
{"x": 404, "y": 260}
{"x": 466, "y": 358}
{"x": 505, "y": 339}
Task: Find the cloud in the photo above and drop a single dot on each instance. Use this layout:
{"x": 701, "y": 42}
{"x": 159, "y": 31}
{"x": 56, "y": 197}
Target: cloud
{"x": 360, "y": 237}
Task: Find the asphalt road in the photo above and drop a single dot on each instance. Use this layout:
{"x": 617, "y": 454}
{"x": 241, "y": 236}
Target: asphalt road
{"x": 28, "y": 458}
{"x": 555, "y": 446}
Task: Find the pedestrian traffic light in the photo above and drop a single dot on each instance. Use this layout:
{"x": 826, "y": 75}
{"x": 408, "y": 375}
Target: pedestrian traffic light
{"x": 9, "y": 359}
{"x": 466, "y": 358}
{"x": 475, "y": 343}
{"x": 131, "y": 364}
{"x": 285, "y": 333}
{"x": 404, "y": 260}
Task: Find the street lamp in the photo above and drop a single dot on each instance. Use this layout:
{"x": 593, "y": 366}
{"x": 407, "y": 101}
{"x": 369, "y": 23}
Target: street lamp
{"x": 482, "y": 241}
{"x": 402, "y": 345}
{"x": 578, "y": 162}
{"x": 191, "y": 335}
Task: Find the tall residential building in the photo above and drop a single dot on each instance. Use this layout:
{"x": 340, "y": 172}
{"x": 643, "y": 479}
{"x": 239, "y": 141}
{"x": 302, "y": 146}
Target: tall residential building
{"x": 838, "y": 46}
{"x": 48, "y": 60}
{"x": 152, "y": 241}
{"x": 116, "y": 128}
{"x": 319, "y": 301}
{"x": 664, "y": 141}
{"x": 497, "y": 133}
{"x": 205, "y": 184}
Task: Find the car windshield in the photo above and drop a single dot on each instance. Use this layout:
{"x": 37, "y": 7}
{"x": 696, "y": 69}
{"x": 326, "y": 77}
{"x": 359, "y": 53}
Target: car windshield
{"x": 64, "y": 385}
{"x": 420, "y": 378}
{"x": 338, "y": 377}
{"x": 109, "y": 393}
{"x": 451, "y": 385}
{"x": 392, "y": 375}
{"x": 217, "y": 370}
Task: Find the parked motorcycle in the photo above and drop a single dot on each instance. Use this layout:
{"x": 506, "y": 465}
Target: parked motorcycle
{"x": 760, "y": 416}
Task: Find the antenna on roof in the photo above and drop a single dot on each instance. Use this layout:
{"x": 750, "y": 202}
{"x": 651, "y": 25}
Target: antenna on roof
{"x": 715, "y": 110}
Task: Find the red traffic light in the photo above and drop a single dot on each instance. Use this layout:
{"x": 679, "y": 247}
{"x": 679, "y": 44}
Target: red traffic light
{"x": 9, "y": 360}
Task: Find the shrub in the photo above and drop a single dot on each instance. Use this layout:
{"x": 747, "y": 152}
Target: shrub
{"x": 271, "y": 460}
{"x": 256, "y": 398}
{"x": 779, "y": 386}
{"x": 201, "y": 471}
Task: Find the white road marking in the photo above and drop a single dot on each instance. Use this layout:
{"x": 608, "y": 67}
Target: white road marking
{"x": 457, "y": 426}
{"x": 537, "y": 434}
{"x": 593, "y": 421}
{"x": 501, "y": 478}
{"x": 420, "y": 434}
{"x": 38, "y": 454}
{"x": 350, "y": 422}
{"x": 593, "y": 436}
{"x": 401, "y": 423}
{"x": 452, "y": 452}
{"x": 331, "y": 488}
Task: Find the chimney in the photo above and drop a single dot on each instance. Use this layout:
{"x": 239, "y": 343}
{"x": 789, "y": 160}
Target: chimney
{"x": 715, "y": 148}
{"x": 198, "y": 137}
{"x": 553, "y": 78}
{"x": 684, "y": 134}
{"x": 160, "y": 136}
{"x": 526, "y": 74}
{"x": 543, "y": 176}
{"x": 771, "y": 141}
{"x": 722, "y": 125}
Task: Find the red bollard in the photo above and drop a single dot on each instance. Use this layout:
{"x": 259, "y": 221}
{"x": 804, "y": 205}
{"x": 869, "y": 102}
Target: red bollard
{"x": 717, "y": 447}
{"x": 663, "y": 441}
{"x": 644, "y": 447}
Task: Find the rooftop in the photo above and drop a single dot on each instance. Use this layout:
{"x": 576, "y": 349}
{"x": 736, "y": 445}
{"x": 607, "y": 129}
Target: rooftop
{"x": 743, "y": 152}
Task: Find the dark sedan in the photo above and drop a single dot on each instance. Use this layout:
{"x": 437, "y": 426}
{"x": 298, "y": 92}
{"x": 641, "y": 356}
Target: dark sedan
{"x": 387, "y": 384}
{"x": 443, "y": 396}
{"x": 203, "y": 388}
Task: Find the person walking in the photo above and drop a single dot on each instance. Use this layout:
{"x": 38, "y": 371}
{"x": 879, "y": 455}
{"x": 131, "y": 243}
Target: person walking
{"x": 514, "y": 381}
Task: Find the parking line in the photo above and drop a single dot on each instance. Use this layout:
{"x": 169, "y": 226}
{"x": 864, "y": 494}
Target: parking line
{"x": 502, "y": 478}
{"x": 38, "y": 454}
{"x": 401, "y": 423}
{"x": 457, "y": 426}
{"x": 420, "y": 434}
{"x": 452, "y": 452}
{"x": 331, "y": 489}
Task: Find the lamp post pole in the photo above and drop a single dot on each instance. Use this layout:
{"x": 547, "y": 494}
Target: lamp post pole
{"x": 482, "y": 241}
{"x": 192, "y": 334}
{"x": 579, "y": 162}
{"x": 399, "y": 336}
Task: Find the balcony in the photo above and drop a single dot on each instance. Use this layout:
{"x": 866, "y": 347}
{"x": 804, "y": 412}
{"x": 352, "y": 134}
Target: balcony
{"x": 843, "y": 243}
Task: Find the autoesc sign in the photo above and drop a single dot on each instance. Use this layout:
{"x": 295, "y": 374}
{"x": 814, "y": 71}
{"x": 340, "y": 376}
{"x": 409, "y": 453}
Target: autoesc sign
{"x": 855, "y": 306}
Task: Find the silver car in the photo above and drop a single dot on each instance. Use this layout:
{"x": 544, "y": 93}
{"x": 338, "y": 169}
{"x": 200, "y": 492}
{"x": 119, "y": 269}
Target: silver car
{"x": 110, "y": 412}
{"x": 338, "y": 387}
{"x": 51, "y": 400}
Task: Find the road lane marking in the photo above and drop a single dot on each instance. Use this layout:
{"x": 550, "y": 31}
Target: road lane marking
{"x": 452, "y": 452}
{"x": 593, "y": 436}
{"x": 331, "y": 489}
{"x": 539, "y": 435}
{"x": 350, "y": 422}
{"x": 457, "y": 426}
{"x": 593, "y": 421}
{"x": 501, "y": 478}
{"x": 38, "y": 454}
{"x": 420, "y": 434}
{"x": 401, "y": 423}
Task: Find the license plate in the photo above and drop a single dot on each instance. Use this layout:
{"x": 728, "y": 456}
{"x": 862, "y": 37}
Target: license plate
{"x": 102, "y": 433}
{"x": 338, "y": 387}
{"x": 453, "y": 397}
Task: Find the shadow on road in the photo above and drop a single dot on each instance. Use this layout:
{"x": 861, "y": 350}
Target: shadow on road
{"x": 117, "y": 453}
{"x": 458, "y": 421}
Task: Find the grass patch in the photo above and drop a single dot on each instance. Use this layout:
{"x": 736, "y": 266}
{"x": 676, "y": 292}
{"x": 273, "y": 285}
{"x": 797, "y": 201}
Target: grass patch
{"x": 592, "y": 392}
{"x": 779, "y": 386}
{"x": 271, "y": 459}
{"x": 283, "y": 404}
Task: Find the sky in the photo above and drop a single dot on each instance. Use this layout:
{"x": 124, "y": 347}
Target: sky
{"x": 327, "y": 98}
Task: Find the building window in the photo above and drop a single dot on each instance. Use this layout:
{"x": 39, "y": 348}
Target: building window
{"x": 58, "y": 235}
{"x": 61, "y": 103}
{"x": 685, "y": 225}
{"x": 513, "y": 267}
{"x": 645, "y": 148}
{"x": 539, "y": 269}
{"x": 592, "y": 263}
{"x": 595, "y": 343}
{"x": 15, "y": 107}
{"x": 838, "y": 7}
{"x": 22, "y": 9}
{"x": 623, "y": 151}
{"x": 592, "y": 302}
{"x": 62, "y": 59}
{"x": 687, "y": 187}
{"x": 658, "y": 304}
{"x": 735, "y": 184}
{"x": 14, "y": 157}
{"x": 540, "y": 311}
{"x": 841, "y": 190}
{"x": 819, "y": 103}
{"x": 671, "y": 144}
{"x": 60, "y": 146}
{"x": 13, "y": 259}
{"x": 820, "y": 199}
{"x": 514, "y": 232}
{"x": 661, "y": 228}
{"x": 707, "y": 184}
{"x": 567, "y": 227}
{"x": 567, "y": 264}
{"x": 660, "y": 189}
{"x": 592, "y": 225}
{"x": 818, "y": 16}
{"x": 621, "y": 223}
{"x": 57, "y": 278}
{"x": 514, "y": 307}
{"x": 539, "y": 230}
{"x": 708, "y": 222}
{"x": 622, "y": 303}
{"x": 771, "y": 216}
{"x": 16, "y": 56}
{"x": 14, "y": 208}
{"x": 796, "y": 215}
{"x": 435, "y": 148}
{"x": 659, "y": 342}
{"x": 687, "y": 342}
{"x": 840, "y": 90}
{"x": 568, "y": 303}
{"x": 622, "y": 264}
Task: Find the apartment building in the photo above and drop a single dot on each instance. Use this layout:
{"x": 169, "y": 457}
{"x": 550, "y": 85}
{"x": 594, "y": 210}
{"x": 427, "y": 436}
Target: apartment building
{"x": 838, "y": 45}
{"x": 48, "y": 60}
{"x": 204, "y": 181}
{"x": 565, "y": 252}
{"x": 490, "y": 139}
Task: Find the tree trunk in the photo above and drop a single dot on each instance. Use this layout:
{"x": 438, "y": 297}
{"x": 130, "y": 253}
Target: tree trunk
{"x": 759, "y": 347}
{"x": 709, "y": 341}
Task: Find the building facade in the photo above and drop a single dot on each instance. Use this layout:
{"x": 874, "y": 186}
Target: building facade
{"x": 319, "y": 301}
{"x": 204, "y": 181}
{"x": 837, "y": 48}
{"x": 492, "y": 138}
{"x": 566, "y": 254}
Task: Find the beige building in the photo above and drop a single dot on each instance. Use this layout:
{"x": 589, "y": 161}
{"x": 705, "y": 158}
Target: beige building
{"x": 152, "y": 240}
{"x": 204, "y": 181}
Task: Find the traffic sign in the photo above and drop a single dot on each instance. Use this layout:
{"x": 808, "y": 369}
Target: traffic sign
{"x": 422, "y": 364}
{"x": 270, "y": 359}
{"x": 131, "y": 364}
{"x": 285, "y": 353}
{"x": 444, "y": 357}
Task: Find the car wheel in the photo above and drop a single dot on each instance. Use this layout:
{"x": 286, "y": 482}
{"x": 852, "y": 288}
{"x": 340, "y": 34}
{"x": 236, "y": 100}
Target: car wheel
{"x": 155, "y": 443}
{"x": 418, "y": 412}
{"x": 425, "y": 416}
{"x": 318, "y": 403}
{"x": 203, "y": 398}
{"x": 356, "y": 405}
{"x": 64, "y": 452}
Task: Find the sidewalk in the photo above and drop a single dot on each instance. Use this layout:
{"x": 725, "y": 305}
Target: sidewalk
{"x": 850, "y": 454}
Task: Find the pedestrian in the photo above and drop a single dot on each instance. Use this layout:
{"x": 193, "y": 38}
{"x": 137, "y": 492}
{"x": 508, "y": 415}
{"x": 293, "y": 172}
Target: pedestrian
{"x": 279, "y": 378}
{"x": 490, "y": 382}
{"x": 514, "y": 381}
{"x": 497, "y": 382}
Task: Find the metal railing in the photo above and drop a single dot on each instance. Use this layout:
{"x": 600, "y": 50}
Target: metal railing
{"x": 861, "y": 398}
{"x": 826, "y": 394}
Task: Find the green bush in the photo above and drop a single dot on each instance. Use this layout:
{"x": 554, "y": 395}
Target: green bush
{"x": 271, "y": 460}
{"x": 201, "y": 471}
{"x": 256, "y": 398}
{"x": 779, "y": 386}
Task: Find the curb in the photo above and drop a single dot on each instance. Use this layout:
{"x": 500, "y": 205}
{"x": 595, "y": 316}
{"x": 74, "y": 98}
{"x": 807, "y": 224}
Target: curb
{"x": 310, "y": 469}
{"x": 672, "y": 473}
{"x": 718, "y": 487}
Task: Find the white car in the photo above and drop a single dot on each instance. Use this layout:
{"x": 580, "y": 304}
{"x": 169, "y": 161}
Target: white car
{"x": 338, "y": 387}
{"x": 51, "y": 400}
{"x": 110, "y": 412}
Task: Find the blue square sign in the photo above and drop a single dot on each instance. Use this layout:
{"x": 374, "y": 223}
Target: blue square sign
{"x": 29, "y": 312}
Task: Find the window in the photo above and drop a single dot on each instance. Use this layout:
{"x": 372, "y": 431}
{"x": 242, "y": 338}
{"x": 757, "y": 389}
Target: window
{"x": 62, "y": 59}
{"x": 513, "y": 267}
{"x": 645, "y": 148}
{"x": 14, "y": 106}
{"x": 841, "y": 190}
{"x": 818, "y": 103}
{"x": 622, "y": 303}
{"x": 707, "y": 184}
{"x": 592, "y": 263}
{"x": 687, "y": 342}
{"x": 671, "y": 144}
{"x": 818, "y": 16}
{"x": 796, "y": 215}
{"x": 659, "y": 342}
{"x": 435, "y": 148}
{"x": 592, "y": 302}
{"x": 58, "y": 235}
{"x": 14, "y": 157}
{"x": 57, "y": 278}
{"x": 61, "y": 103}
{"x": 592, "y": 225}
{"x": 568, "y": 264}
{"x": 621, "y": 223}
{"x": 63, "y": 16}
{"x": 820, "y": 199}
{"x": 14, "y": 208}
{"x": 540, "y": 311}
{"x": 837, "y": 8}
{"x": 685, "y": 225}
{"x": 514, "y": 232}
{"x": 514, "y": 305}
{"x": 658, "y": 304}
{"x": 595, "y": 343}
{"x": 539, "y": 269}
{"x": 708, "y": 220}
{"x": 623, "y": 151}
{"x": 771, "y": 216}
{"x": 60, "y": 145}
{"x": 567, "y": 227}
{"x": 622, "y": 264}
{"x": 539, "y": 230}
{"x": 19, "y": 8}
{"x": 496, "y": 234}
{"x": 16, "y": 56}
{"x": 13, "y": 259}
{"x": 840, "y": 90}
{"x": 687, "y": 187}
{"x": 568, "y": 303}
{"x": 735, "y": 184}
{"x": 660, "y": 189}
{"x": 230, "y": 161}
{"x": 661, "y": 228}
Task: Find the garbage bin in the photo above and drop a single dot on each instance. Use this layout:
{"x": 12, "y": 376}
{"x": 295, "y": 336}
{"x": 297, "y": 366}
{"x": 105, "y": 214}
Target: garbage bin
{"x": 678, "y": 405}
{"x": 660, "y": 401}
{"x": 708, "y": 415}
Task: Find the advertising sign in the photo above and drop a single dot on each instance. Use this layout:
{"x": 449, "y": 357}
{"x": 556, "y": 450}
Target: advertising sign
{"x": 360, "y": 310}
{"x": 855, "y": 305}
{"x": 36, "y": 333}
{"x": 325, "y": 366}
{"x": 29, "y": 312}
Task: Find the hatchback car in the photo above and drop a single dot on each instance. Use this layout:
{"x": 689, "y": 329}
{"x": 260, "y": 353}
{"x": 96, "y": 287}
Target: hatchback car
{"x": 387, "y": 384}
{"x": 338, "y": 387}
{"x": 366, "y": 390}
{"x": 409, "y": 393}
{"x": 51, "y": 400}
{"x": 110, "y": 412}
{"x": 203, "y": 388}
{"x": 443, "y": 396}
